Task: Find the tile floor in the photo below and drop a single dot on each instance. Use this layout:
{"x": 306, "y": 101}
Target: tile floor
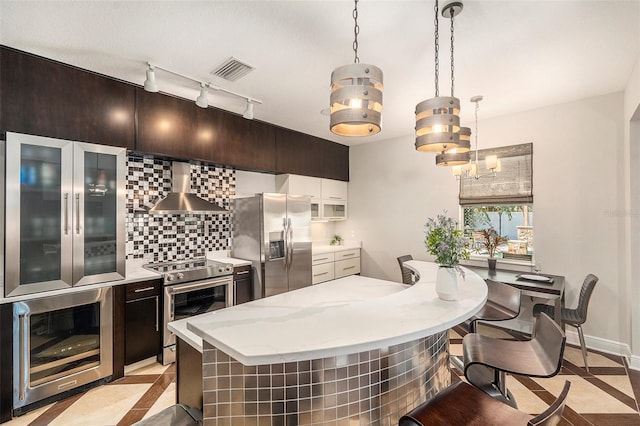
{"x": 607, "y": 395}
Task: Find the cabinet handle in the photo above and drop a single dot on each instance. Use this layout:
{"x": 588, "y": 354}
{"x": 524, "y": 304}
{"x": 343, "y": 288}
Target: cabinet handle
{"x": 157, "y": 308}
{"x": 349, "y": 267}
{"x": 335, "y": 198}
{"x": 66, "y": 213}
{"x": 242, "y": 273}
{"x": 23, "y": 351}
{"x": 140, "y": 290}
{"x": 348, "y": 254}
{"x": 323, "y": 273}
{"x": 322, "y": 258}
{"x": 78, "y": 214}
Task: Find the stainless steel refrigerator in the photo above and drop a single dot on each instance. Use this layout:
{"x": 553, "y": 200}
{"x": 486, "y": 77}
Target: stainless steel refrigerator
{"x": 273, "y": 231}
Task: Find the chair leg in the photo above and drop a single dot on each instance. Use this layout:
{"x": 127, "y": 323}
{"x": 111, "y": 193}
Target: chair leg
{"x": 583, "y": 346}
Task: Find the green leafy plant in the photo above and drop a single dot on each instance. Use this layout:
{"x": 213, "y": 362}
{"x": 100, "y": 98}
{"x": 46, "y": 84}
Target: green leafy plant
{"x": 337, "y": 239}
{"x": 445, "y": 241}
{"x": 491, "y": 240}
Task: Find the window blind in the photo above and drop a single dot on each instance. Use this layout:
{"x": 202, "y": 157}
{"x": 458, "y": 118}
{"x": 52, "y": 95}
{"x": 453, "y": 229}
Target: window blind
{"x": 512, "y": 185}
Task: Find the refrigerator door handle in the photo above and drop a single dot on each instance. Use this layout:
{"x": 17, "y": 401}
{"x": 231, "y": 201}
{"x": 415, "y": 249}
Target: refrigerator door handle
{"x": 285, "y": 236}
{"x": 290, "y": 241}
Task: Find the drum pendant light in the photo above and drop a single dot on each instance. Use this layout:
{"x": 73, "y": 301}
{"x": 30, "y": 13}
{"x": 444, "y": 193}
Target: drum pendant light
{"x": 438, "y": 118}
{"x": 356, "y": 95}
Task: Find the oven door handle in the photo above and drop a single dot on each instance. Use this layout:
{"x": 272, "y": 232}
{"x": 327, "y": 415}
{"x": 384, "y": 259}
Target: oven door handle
{"x": 182, "y": 288}
{"x": 23, "y": 324}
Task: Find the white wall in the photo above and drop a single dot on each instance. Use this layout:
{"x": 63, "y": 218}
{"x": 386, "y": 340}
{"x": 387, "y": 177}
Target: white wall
{"x": 631, "y": 229}
{"x": 392, "y": 191}
{"x": 578, "y": 194}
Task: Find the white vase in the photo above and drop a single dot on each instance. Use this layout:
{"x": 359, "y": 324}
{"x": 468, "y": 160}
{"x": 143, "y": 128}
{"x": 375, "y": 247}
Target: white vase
{"x": 447, "y": 283}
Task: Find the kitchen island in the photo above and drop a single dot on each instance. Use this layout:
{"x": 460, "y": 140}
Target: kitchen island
{"x": 356, "y": 349}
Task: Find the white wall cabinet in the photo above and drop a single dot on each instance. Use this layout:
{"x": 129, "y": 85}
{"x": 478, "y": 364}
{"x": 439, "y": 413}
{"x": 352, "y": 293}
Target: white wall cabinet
{"x": 328, "y": 196}
{"x": 329, "y": 266}
{"x": 334, "y": 190}
{"x": 300, "y": 185}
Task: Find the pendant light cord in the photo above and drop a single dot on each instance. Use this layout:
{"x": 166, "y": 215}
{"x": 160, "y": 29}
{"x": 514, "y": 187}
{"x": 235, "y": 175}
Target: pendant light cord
{"x": 356, "y": 31}
{"x": 436, "y": 48}
{"x": 476, "y": 132}
{"x": 452, "y": 67}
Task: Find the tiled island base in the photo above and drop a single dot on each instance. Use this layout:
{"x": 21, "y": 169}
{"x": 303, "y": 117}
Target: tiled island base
{"x": 374, "y": 387}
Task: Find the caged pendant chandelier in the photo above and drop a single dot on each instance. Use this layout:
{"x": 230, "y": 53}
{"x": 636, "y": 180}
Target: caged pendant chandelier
{"x": 438, "y": 119}
{"x": 471, "y": 170}
{"x": 356, "y": 94}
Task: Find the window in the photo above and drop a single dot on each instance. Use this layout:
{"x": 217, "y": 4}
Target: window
{"x": 514, "y": 222}
{"x": 503, "y": 202}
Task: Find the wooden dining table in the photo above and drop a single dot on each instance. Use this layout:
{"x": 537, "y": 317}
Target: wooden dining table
{"x": 546, "y": 290}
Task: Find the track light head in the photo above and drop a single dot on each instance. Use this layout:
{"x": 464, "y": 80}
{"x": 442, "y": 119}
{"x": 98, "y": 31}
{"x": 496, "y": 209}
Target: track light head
{"x": 150, "y": 83}
{"x": 248, "y": 112}
{"x": 203, "y": 100}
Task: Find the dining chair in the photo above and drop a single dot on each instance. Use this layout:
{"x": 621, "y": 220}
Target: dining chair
{"x": 408, "y": 276}
{"x": 462, "y": 404}
{"x": 574, "y": 317}
{"x": 487, "y": 360}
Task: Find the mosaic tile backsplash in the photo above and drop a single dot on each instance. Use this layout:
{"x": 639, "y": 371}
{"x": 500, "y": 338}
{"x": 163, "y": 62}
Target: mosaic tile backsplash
{"x": 160, "y": 238}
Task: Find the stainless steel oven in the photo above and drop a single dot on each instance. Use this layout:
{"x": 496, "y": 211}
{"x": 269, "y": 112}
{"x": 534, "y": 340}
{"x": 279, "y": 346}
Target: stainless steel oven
{"x": 60, "y": 343}
{"x": 194, "y": 298}
{"x": 191, "y": 288}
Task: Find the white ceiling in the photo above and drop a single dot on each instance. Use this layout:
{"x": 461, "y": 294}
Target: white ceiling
{"x": 519, "y": 54}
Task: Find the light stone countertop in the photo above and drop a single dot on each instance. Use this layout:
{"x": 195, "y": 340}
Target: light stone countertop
{"x": 134, "y": 272}
{"x": 339, "y": 317}
{"x": 322, "y": 248}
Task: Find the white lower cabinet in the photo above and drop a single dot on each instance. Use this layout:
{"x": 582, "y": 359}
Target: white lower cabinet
{"x": 329, "y": 266}
{"x": 347, "y": 267}
{"x": 323, "y": 272}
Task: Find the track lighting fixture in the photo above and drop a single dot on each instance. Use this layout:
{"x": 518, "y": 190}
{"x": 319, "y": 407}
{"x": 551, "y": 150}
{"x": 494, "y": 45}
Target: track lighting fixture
{"x": 150, "y": 83}
{"x": 202, "y": 100}
{"x": 248, "y": 112}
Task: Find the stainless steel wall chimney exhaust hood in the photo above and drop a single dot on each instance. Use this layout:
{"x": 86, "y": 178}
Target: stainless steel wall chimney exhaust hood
{"x": 181, "y": 200}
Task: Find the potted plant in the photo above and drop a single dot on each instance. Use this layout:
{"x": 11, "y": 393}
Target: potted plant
{"x": 490, "y": 241}
{"x": 449, "y": 245}
{"x": 336, "y": 241}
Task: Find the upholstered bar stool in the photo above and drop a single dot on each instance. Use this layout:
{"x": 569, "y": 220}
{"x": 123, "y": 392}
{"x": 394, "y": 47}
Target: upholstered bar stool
{"x": 461, "y": 404}
{"x": 408, "y": 276}
{"x": 487, "y": 360}
{"x": 574, "y": 317}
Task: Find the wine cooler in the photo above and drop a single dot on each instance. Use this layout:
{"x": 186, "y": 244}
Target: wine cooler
{"x": 60, "y": 343}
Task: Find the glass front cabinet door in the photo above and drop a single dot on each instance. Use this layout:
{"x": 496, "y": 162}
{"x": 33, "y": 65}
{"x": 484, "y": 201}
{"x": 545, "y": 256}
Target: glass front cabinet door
{"x": 65, "y": 212}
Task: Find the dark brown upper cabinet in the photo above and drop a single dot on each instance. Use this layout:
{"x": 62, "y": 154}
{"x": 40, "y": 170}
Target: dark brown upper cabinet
{"x": 302, "y": 154}
{"x": 42, "y": 97}
{"x": 47, "y": 98}
{"x": 178, "y": 128}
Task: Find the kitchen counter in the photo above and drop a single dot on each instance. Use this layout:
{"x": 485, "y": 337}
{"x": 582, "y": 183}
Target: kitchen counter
{"x": 378, "y": 313}
{"x": 354, "y": 342}
{"x": 322, "y": 248}
{"x": 134, "y": 272}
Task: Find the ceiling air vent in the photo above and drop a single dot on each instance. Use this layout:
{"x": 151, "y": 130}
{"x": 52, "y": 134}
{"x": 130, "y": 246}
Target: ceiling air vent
{"x": 232, "y": 69}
